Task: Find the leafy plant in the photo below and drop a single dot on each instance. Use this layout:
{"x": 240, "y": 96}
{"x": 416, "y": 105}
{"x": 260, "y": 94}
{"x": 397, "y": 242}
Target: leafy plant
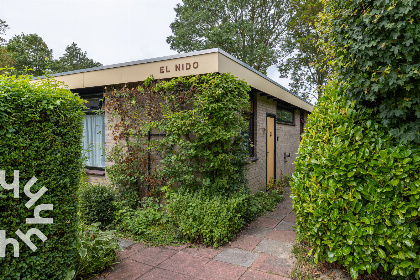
{"x": 40, "y": 135}
{"x": 278, "y": 185}
{"x": 214, "y": 220}
{"x": 97, "y": 251}
{"x": 150, "y": 223}
{"x": 355, "y": 192}
{"x": 376, "y": 46}
{"x": 96, "y": 203}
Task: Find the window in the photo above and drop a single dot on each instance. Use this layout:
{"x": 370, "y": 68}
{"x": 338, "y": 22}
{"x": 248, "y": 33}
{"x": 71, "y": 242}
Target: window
{"x": 285, "y": 115}
{"x": 94, "y": 140}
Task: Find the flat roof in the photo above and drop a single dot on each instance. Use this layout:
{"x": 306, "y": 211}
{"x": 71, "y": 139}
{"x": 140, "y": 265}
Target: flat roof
{"x": 184, "y": 64}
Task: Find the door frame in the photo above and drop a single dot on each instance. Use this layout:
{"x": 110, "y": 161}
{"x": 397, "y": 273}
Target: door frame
{"x": 270, "y": 115}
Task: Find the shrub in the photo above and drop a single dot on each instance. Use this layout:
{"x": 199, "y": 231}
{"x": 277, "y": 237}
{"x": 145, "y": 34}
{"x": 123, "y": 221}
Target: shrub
{"x": 96, "y": 249}
{"x": 40, "y": 135}
{"x": 96, "y": 203}
{"x": 150, "y": 223}
{"x": 356, "y": 192}
{"x": 260, "y": 203}
{"x": 279, "y": 185}
{"x": 213, "y": 220}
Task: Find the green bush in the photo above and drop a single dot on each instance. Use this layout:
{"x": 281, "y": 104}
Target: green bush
{"x": 356, "y": 193}
{"x": 40, "y": 135}
{"x": 96, "y": 249}
{"x": 260, "y": 203}
{"x": 96, "y": 203}
{"x": 213, "y": 220}
{"x": 150, "y": 223}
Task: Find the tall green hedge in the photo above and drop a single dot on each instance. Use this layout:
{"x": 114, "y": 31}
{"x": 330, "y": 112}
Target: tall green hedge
{"x": 356, "y": 193}
{"x": 40, "y": 135}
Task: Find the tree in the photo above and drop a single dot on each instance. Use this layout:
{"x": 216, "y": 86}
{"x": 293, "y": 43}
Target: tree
{"x": 73, "y": 59}
{"x": 250, "y": 30}
{"x": 301, "y": 58}
{"x": 29, "y": 52}
{"x": 5, "y": 59}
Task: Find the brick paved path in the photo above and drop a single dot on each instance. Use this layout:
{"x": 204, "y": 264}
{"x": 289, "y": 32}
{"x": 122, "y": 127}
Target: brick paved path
{"x": 261, "y": 251}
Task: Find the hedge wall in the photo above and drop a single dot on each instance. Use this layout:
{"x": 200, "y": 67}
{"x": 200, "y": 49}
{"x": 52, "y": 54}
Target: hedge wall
{"x": 40, "y": 135}
{"x": 356, "y": 190}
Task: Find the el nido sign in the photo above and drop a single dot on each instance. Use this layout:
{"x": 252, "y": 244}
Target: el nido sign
{"x": 178, "y": 67}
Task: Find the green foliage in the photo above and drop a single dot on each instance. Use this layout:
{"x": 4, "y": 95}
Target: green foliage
{"x": 73, "y": 59}
{"x": 216, "y": 219}
{"x": 376, "y": 46}
{"x": 97, "y": 250}
{"x": 96, "y": 203}
{"x": 204, "y": 148}
{"x": 302, "y": 60}
{"x": 29, "y": 52}
{"x": 355, "y": 192}
{"x": 280, "y": 184}
{"x": 3, "y": 27}
{"x": 40, "y": 135}
{"x": 213, "y": 220}
{"x": 249, "y": 30}
{"x": 150, "y": 223}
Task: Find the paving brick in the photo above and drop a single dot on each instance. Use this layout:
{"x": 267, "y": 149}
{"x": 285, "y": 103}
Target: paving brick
{"x": 290, "y": 218}
{"x": 128, "y": 270}
{"x": 246, "y": 242}
{"x": 184, "y": 263}
{"x": 138, "y": 247}
{"x": 256, "y": 231}
{"x": 203, "y": 251}
{"x": 282, "y": 235}
{"x": 237, "y": 256}
{"x": 265, "y": 222}
{"x": 125, "y": 254}
{"x": 125, "y": 243}
{"x": 259, "y": 275}
{"x": 215, "y": 270}
{"x": 286, "y": 226}
{"x": 270, "y": 264}
{"x": 275, "y": 248}
{"x": 153, "y": 255}
{"x": 162, "y": 274}
{"x": 176, "y": 247}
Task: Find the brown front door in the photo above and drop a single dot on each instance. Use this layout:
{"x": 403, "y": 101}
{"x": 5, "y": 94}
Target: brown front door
{"x": 271, "y": 151}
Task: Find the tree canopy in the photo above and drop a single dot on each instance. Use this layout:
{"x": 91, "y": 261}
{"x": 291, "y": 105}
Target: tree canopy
{"x": 301, "y": 59}
{"x": 74, "y": 58}
{"x": 29, "y": 52}
{"x": 250, "y": 30}
{"x": 5, "y": 59}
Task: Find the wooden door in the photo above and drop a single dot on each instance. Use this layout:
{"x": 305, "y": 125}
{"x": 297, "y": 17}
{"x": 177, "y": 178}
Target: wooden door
{"x": 271, "y": 144}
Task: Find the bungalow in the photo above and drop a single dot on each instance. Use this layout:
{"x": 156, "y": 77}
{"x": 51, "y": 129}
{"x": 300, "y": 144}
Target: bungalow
{"x": 275, "y": 124}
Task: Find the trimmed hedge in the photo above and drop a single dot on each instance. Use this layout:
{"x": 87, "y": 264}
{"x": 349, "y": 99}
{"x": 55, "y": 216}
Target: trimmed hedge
{"x": 40, "y": 135}
{"x": 356, "y": 193}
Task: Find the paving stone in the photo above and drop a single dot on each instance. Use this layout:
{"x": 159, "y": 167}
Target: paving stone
{"x": 246, "y": 242}
{"x": 290, "y": 218}
{"x": 336, "y": 274}
{"x": 265, "y": 222}
{"x": 277, "y": 215}
{"x": 184, "y": 263}
{"x": 286, "y": 226}
{"x": 125, "y": 243}
{"x": 125, "y": 254}
{"x": 176, "y": 247}
{"x": 282, "y": 235}
{"x": 215, "y": 270}
{"x": 203, "y": 251}
{"x": 237, "y": 256}
{"x": 128, "y": 270}
{"x": 138, "y": 247}
{"x": 256, "y": 231}
{"x": 275, "y": 248}
{"x": 259, "y": 275}
{"x": 153, "y": 255}
{"x": 162, "y": 274}
{"x": 270, "y": 264}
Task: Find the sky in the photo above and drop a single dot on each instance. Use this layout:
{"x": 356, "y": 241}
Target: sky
{"x": 110, "y": 31}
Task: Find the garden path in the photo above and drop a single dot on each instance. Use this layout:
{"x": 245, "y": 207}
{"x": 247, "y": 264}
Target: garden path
{"x": 261, "y": 251}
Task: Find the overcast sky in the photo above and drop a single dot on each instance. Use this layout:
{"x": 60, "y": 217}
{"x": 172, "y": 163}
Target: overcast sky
{"x": 110, "y": 31}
